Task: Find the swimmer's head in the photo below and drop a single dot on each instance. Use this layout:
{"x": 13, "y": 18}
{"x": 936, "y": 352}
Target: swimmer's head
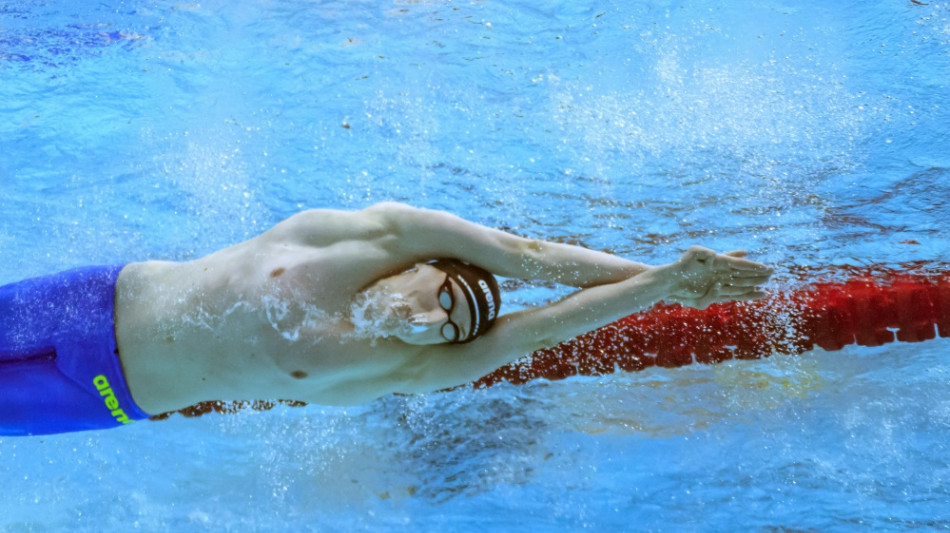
{"x": 480, "y": 290}
{"x": 441, "y": 301}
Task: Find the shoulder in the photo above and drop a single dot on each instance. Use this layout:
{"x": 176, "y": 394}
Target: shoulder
{"x": 323, "y": 227}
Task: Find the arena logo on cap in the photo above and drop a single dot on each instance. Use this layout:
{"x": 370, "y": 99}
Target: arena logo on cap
{"x": 488, "y": 296}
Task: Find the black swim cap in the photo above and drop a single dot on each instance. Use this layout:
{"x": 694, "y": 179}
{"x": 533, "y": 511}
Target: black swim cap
{"x": 481, "y": 292}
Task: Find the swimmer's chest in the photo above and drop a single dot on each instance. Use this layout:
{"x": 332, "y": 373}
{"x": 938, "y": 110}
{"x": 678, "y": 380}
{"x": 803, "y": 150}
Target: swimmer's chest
{"x": 330, "y": 371}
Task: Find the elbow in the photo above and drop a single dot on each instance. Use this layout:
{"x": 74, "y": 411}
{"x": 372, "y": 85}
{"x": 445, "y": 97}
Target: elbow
{"x": 531, "y": 254}
{"x": 534, "y": 249}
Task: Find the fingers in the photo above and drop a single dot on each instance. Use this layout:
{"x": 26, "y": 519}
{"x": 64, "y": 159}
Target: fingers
{"x": 711, "y": 278}
{"x": 734, "y": 260}
{"x": 739, "y": 268}
{"x": 719, "y": 293}
{"x": 739, "y": 282}
{"x": 748, "y": 279}
{"x": 745, "y": 265}
{"x": 703, "y": 303}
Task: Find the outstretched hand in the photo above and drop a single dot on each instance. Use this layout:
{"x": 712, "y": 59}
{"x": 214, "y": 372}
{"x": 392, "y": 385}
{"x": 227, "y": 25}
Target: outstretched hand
{"x": 702, "y": 277}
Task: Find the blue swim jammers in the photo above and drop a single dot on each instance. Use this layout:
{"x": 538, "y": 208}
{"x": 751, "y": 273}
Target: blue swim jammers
{"x": 59, "y": 362}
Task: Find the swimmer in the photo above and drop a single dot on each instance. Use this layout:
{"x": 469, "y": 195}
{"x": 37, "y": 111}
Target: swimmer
{"x": 328, "y": 307}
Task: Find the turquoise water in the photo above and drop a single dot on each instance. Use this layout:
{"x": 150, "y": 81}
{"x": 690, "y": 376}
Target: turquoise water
{"x": 810, "y": 134}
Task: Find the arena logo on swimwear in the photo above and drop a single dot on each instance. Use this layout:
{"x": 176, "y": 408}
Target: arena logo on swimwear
{"x": 112, "y": 403}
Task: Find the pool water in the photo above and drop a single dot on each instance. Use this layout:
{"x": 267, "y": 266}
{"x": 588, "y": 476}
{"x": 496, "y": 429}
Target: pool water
{"x": 812, "y": 134}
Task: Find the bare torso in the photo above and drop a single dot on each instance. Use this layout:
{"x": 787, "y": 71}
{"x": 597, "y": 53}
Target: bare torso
{"x": 270, "y": 318}
{"x": 267, "y": 318}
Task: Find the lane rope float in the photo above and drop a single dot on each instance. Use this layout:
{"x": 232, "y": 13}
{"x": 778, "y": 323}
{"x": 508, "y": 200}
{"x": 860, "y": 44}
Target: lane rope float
{"x": 868, "y": 309}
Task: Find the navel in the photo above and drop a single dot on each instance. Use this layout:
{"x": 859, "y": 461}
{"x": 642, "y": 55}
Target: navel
{"x": 277, "y": 272}
{"x": 299, "y": 374}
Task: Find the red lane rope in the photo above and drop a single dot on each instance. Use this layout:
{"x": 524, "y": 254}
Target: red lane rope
{"x": 868, "y": 307}
{"x": 867, "y": 310}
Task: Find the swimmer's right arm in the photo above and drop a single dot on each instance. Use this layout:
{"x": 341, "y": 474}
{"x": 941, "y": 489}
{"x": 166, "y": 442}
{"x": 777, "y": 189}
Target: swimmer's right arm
{"x": 428, "y": 234}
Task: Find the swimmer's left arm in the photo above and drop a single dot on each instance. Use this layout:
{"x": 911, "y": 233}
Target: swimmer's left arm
{"x": 431, "y": 234}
